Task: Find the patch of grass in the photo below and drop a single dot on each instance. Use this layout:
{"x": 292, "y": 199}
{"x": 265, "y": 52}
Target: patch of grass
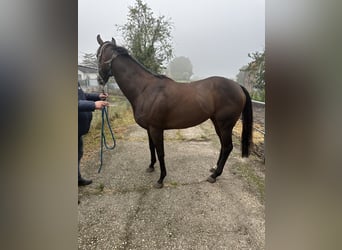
{"x": 173, "y": 183}
{"x": 101, "y": 187}
{"x": 204, "y": 137}
{"x": 179, "y": 135}
{"x": 120, "y": 117}
{"x": 255, "y": 182}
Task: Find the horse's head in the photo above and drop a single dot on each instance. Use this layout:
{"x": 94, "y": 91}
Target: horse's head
{"x": 105, "y": 55}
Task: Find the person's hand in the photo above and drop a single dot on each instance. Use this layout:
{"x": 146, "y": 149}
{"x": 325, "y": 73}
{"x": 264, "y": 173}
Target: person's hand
{"x": 103, "y": 96}
{"x": 101, "y": 104}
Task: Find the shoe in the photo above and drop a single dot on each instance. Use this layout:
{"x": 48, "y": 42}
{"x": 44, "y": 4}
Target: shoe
{"x": 84, "y": 182}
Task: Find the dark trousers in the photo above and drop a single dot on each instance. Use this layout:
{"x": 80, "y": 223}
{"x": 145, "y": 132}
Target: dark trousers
{"x": 80, "y": 154}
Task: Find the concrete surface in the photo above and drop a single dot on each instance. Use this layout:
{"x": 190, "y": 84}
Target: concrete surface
{"x": 122, "y": 210}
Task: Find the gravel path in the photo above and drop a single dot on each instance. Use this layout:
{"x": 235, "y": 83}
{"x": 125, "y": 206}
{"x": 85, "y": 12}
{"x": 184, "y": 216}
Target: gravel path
{"x": 122, "y": 210}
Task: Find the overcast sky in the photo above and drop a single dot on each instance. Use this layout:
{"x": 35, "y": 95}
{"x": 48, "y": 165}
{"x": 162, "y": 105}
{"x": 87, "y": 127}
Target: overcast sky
{"x": 216, "y": 35}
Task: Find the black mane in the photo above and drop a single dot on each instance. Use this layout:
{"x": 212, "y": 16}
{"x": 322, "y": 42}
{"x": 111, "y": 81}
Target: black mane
{"x": 124, "y": 52}
{"x": 121, "y": 50}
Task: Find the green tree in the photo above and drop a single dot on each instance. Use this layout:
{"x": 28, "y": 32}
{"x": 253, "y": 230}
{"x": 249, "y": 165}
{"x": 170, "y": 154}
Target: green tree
{"x": 252, "y": 76}
{"x": 147, "y": 37}
{"x": 180, "y": 69}
{"x": 257, "y": 68}
{"x": 90, "y": 60}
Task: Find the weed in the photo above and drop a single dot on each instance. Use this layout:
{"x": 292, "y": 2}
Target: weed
{"x": 173, "y": 183}
{"x": 101, "y": 187}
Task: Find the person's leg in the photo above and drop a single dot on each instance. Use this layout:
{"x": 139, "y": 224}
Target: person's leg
{"x": 80, "y": 154}
{"x": 81, "y": 181}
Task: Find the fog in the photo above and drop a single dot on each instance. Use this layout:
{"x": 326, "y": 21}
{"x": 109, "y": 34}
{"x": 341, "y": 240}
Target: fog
{"x": 216, "y": 35}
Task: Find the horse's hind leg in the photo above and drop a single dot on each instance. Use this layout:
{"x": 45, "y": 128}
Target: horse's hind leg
{"x": 157, "y": 137}
{"x": 218, "y": 132}
{"x": 225, "y": 134}
{"x": 213, "y": 169}
{"x": 153, "y": 153}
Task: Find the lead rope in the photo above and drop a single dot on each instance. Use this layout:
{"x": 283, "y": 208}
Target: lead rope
{"x": 103, "y": 136}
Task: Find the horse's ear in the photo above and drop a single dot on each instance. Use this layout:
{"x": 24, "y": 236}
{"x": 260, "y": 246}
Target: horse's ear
{"x": 99, "y": 40}
{"x": 113, "y": 41}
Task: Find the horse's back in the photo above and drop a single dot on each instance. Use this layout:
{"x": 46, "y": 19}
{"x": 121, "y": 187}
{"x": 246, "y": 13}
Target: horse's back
{"x": 223, "y": 89}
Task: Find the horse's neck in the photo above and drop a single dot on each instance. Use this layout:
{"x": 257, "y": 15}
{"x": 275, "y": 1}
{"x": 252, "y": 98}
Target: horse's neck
{"x": 123, "y": 70}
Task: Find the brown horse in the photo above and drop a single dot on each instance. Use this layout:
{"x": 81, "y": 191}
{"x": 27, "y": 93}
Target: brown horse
{"x": 160, "y": 103}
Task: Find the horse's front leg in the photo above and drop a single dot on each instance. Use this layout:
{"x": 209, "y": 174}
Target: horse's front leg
{"x": 157, "y": 138}
{"x": 153, "y": 153}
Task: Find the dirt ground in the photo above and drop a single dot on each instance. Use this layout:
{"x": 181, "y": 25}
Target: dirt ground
{"x": 122, "y": 210}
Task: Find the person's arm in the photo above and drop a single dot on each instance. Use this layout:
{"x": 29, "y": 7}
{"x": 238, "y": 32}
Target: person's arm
{"x": 92, "y": 96}
{"x": 86, "y": 106}
{"x": 90, "y": 106}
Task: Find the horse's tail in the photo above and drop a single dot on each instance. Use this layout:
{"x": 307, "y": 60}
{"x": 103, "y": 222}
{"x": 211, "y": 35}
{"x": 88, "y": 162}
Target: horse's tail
{"x": 247, "y": 125}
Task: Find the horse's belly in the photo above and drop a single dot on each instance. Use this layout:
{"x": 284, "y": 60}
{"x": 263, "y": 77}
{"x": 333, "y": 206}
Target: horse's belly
{"x": 187, "y": 120}
{"x": 176, "y": 118}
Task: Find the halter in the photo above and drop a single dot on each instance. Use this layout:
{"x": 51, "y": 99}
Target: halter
{"x": 109, "y": 62}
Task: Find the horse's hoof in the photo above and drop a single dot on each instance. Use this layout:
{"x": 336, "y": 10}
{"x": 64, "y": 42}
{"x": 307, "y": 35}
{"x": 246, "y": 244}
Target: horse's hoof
{"x": 158, "y": 185}
{"x": 211, "y": 179}
{"x": 149, "y": 170}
